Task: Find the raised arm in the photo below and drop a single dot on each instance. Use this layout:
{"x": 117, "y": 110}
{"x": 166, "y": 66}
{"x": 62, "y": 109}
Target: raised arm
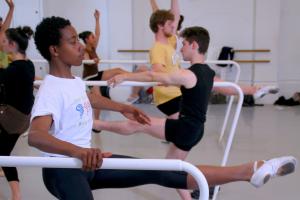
{"x": 154, "y": 5}
{"x": 176, "y": 12}
{"x": 97, "y": 27}
{"x": 9, "y": 15}
{"x": 7, "y": 20}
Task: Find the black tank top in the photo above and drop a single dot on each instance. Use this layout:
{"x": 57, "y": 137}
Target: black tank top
{"x": 18, "y": 81}
{"x": 194, "y": 100}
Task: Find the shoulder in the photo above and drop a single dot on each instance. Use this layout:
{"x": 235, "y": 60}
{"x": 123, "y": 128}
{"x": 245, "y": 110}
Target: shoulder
{"x": 173, "y": 40}
{"x": 189, "y": 78}
{"x": 157, "y": 49}
{"x": 202, "y": 72}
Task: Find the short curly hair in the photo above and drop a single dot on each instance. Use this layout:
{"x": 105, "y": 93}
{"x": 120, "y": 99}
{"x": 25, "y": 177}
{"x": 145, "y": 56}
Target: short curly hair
{"x": 48, "y": 33}
{"x": 160, "y": 17}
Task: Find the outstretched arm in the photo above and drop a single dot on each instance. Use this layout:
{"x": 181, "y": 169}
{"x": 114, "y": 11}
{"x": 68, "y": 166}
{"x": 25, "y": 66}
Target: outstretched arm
{"x": 130, "y": 112}
{"x": 97, "y": 27}
{"x": 154, "y": 5}
{"x": 180, "y": 77}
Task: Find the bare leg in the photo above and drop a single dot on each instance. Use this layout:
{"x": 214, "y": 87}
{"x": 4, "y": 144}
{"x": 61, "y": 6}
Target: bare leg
{"x": 176, "y": 153}
{"x": 221, "y": 175}
{"x": 128, "y": 127}
{"x": 257, "y": 173}
{"x": 247, "y": 90}
{"x": 15, "y": 190}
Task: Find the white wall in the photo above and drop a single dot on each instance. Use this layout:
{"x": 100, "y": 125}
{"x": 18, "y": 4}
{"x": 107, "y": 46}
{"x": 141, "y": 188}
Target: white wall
{"x": 289, "y": 65}
{"x": 116, "y": 22}
{"x": 81, "y": 15}
{"x": 270, "y": 24}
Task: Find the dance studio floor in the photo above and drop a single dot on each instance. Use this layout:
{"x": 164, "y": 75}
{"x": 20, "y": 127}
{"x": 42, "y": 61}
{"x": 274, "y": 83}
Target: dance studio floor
{"x": 263, "y": 132}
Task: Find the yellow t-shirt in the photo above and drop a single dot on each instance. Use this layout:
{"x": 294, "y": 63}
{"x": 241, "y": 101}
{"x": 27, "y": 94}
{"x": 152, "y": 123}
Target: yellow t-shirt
{"x": 165, "y": 55}
{"x": 3, "y": 59}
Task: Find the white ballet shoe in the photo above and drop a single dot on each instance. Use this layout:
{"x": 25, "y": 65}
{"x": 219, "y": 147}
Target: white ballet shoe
{"x": 272, "y": 168}
{"x": 264, "y": 91}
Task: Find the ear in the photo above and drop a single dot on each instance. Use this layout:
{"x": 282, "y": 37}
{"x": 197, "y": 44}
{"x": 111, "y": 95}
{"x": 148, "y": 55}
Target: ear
{"x": 53, "y": 50}
{"x": 159, "y": 26}
{"x": 195, "y": 45}
{"x": 12, "y": 43}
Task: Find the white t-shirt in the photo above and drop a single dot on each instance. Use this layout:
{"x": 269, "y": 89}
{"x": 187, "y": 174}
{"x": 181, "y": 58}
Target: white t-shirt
{"x": 67, "y": 102}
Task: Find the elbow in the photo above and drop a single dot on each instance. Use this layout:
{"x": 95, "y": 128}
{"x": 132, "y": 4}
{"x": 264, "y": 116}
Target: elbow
{"x": 32, "y": 141}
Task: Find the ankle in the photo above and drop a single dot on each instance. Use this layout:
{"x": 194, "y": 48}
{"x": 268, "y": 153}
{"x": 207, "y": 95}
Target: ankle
{"x": 251, "y": 168}
{"x": 16, "y": 196}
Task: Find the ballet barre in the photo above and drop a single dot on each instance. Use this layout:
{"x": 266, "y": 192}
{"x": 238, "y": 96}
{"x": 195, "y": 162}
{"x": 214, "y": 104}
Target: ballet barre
{"x": 112, "y": 163}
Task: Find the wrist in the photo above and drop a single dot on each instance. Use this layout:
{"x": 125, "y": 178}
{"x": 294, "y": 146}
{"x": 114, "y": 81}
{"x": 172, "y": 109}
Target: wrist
{"x": 123, "y": 107}
{"x": 74, "y": 152}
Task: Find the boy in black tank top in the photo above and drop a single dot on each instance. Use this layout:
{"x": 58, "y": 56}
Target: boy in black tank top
{"x": 196, "y": 84}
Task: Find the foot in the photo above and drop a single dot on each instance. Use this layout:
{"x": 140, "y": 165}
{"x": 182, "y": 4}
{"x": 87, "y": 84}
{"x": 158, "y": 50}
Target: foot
{"x": 272, "y": 168}
{"x": 265, "y": 90}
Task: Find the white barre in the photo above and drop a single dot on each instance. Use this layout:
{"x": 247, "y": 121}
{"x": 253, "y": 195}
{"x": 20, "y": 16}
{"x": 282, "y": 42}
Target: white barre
{"x": 112, "y": 163}
{"x": 104, "y": 61}
{"x": 104, "y": 83}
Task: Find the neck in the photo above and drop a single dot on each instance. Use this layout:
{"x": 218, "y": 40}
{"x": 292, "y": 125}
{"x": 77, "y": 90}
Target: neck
{"x": 198, "y": 58}
{"x": 18, "y": 56}
{"x": 160, "y": 37}
{"x": 59, "y": 69}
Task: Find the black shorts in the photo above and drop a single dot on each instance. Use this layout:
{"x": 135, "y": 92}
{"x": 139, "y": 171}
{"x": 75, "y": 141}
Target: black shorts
{"x": 104, "y": 90}
{"x": 170, "y": 107}
{"x": 183, "y": 132}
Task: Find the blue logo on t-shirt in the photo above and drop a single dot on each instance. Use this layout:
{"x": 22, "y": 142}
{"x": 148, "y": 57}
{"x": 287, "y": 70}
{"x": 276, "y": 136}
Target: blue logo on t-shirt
{"x": 80, "y": 109}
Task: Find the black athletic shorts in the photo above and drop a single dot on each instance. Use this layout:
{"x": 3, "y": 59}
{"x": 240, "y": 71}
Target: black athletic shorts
{"x": 104, "y": 90}
{"x": 184, "y": 133}
{"x": 170, "y": 107}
